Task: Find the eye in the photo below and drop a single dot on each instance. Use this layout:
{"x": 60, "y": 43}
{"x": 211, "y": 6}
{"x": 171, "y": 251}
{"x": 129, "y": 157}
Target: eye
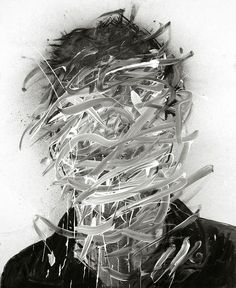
{"x": 198, "y": 257}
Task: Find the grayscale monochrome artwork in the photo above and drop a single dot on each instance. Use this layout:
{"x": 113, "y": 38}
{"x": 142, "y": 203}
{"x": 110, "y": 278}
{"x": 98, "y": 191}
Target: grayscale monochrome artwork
{"x": 117, "y": 144}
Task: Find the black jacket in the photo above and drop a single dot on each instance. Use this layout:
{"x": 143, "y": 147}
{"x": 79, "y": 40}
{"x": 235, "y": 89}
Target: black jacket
{"x": 216, "y": 269}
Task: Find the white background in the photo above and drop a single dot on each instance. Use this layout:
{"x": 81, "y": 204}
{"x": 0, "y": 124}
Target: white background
{"x": 205, "y": 26}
